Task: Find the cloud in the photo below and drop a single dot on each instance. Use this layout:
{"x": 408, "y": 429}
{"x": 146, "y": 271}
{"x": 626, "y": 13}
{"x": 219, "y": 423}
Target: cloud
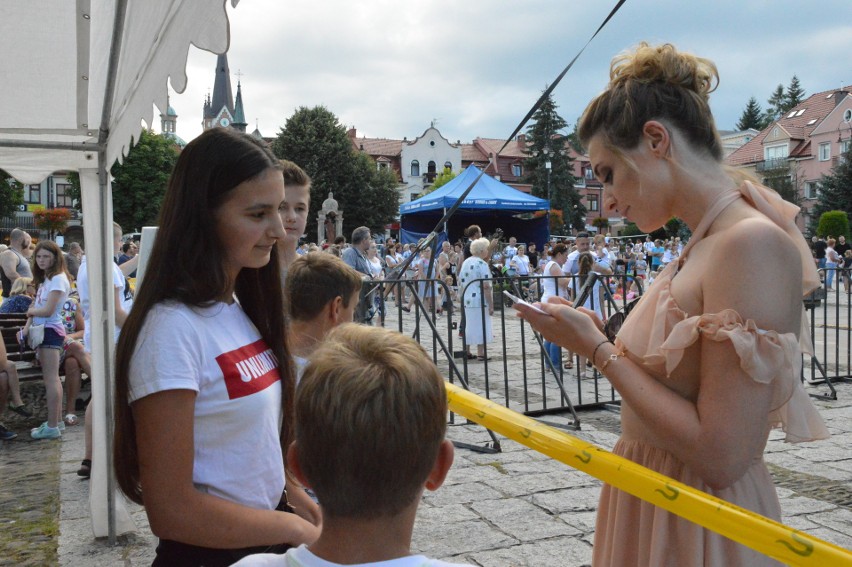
{"x": 389, "y": 68}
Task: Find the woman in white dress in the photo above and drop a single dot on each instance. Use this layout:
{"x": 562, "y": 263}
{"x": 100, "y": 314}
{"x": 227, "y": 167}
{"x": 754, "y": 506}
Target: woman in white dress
{"x": 475, "y": 283}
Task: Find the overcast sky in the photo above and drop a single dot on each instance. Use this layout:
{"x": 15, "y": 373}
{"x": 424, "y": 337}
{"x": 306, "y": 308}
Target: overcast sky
{"x": 476, "y": 66}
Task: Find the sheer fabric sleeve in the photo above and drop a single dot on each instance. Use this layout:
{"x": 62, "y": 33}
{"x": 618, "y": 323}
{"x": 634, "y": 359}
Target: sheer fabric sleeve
{"x": 768, "y": 357}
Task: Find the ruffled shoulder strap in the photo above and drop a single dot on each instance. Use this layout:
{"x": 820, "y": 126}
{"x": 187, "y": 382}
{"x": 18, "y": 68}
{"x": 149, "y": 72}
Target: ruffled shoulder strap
{"x": 783, "y": 214}
{"x": 768, "y": 357}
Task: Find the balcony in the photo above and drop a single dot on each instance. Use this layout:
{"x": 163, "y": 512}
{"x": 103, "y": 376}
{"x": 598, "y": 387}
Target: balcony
{"x": 772, "y": 164}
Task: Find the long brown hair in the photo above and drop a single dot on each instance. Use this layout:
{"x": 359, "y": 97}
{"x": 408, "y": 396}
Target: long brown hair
{"x": 58, "y": 267}
{"x": 186, "y": 265}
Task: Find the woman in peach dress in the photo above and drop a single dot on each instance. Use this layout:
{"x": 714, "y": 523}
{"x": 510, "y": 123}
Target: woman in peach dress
{"x": 709, "y": 360}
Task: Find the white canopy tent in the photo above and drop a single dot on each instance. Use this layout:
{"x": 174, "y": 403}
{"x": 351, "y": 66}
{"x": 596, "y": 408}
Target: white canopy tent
{"x": 79, "y": 77}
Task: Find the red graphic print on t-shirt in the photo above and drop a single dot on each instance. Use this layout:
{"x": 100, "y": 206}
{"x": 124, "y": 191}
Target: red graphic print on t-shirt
{"x": 248, "y": 369}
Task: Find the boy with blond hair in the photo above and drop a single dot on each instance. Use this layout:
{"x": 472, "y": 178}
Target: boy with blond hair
{"x": 320, "y": 292}
{"x": 370, "y": 424}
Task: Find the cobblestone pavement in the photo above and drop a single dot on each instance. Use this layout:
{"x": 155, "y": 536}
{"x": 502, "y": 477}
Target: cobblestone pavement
{"x": 29, "y": 489}
{"x": 512, "y": 508}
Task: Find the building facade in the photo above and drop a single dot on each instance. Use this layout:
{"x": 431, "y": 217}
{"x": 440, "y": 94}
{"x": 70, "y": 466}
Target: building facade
{"x": 799, "y": 148}
{"x": 418, "y": 162}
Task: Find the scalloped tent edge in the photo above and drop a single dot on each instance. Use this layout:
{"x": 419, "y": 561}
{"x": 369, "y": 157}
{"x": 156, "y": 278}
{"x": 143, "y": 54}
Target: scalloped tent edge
{"x": 79, "y": 78}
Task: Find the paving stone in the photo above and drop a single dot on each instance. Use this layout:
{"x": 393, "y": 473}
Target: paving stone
{"x": 798, "y": 505}
{"x": 445, "y": 540}
{"x": 522, "y": 520}
{"x": 462, "y": 494}
{"x": 568, "y": 500}
{"x": 561, "y": 552}
{"x": 582, "y": 521}
{"x": 526, "y": 484}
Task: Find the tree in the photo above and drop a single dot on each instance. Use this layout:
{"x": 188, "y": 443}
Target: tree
{"x": 752, "y": 116}
{"x": 547, "y": 143}
{"x": 835, "y": 192}
{"x": 11, "y": 195}
{"x": 315, "y": 140}
{"x": 630, "y": 229}
{"x": 776, "y": 104}
{"x": 795, "y": 94}
{"x": 781, "y": 179}
{"x": 833, "y": 223}
{"x": 574, "y": 140}
{"x": 139, "y": 183}
{"x": 443, "y": 178}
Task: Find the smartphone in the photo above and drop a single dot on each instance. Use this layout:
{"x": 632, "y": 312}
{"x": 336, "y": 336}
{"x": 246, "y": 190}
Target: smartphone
{"x": 517, "y": 300}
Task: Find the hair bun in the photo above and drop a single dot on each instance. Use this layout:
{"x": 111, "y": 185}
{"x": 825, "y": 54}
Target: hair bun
{"x": 664, "y": 64}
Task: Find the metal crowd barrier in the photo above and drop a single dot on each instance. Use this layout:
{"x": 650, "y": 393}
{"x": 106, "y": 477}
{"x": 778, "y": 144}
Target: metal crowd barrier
{"x": 517, "y": 373}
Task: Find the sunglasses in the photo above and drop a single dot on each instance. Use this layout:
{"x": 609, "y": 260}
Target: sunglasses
{"x": 616, "y": 321}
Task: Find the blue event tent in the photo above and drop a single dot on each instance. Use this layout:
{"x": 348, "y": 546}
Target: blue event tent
{"x": 490, "y": 204}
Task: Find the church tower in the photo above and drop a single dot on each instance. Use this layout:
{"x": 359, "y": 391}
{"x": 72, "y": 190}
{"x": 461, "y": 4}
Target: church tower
{"x": 219, "y": 111}
{"x": 239, "y": 122}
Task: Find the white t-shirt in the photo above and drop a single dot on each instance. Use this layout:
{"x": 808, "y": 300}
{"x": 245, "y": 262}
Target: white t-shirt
{"x": 510, "y": 252}
{"x": 549, "y": 284}
{"x": 217, "y": 352}
{"x": 521, "y": 263}
{"x": 118, "y": 281}
{"x": 59, "y": 283}
{"x": 302, "y": 557}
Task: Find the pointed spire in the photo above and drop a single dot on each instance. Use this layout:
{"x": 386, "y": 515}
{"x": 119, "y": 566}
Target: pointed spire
{"x": 239, "y": 114}
{"x": 222, "y": 94}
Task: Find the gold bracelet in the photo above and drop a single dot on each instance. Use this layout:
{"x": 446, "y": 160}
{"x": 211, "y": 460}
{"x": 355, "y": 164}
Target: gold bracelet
{"x": 610, "y": 359}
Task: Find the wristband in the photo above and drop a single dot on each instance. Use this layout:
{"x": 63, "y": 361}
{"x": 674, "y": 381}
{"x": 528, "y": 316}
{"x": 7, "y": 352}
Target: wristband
{"x": 595, "y": 352}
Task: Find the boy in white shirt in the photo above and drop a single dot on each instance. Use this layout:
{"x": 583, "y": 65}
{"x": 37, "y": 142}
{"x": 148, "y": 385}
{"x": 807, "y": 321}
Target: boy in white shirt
{"x": 372, "y": 403}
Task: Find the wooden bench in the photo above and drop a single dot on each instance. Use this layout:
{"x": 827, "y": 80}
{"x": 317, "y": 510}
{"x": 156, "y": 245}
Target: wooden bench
{"x": 24, "y": 359}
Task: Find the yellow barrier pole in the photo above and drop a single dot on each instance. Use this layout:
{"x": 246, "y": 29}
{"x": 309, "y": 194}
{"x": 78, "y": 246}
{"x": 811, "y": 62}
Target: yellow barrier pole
{"x": 743, "y": 526}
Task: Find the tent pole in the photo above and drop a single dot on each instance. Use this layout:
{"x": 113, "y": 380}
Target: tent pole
{"x": 106, "y": 241}
{"x": 74, "y": 146}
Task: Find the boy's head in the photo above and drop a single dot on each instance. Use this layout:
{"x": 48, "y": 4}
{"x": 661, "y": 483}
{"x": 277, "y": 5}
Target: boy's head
{"x": 370, "y": 423}
{"x": 297, "y": 201}
{"x": 314, "y": 281}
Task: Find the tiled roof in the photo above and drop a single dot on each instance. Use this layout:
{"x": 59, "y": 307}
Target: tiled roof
{"x": 491, "y": 145}
{"x": 470, "y": 153}
{"x": 798, "y": 122}
{"x": 378, "y": 146}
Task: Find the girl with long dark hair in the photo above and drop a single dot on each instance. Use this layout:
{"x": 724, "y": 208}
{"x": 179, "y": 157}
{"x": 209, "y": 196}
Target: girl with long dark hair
{"x": 204, "y": 384}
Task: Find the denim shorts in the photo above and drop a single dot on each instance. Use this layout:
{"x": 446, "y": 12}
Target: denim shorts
{"x": 52, "y": 339}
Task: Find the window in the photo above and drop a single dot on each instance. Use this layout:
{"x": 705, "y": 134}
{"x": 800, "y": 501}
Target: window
{"x": 799, "y": 113}
{"x": 792, "y": 114}
{"x": 517, "y": 170}
{"x": 63, "y": 197}
{"x": 811, "y": 122}
{"x": 415, "y": 168}
{"x": 33, "y": 194}
{"x": 775, "y": 152}
{"x": 847, "y": 115}
{"x": 589, "y": 173}
{"x": 811, "y": 190}
{"x": 844, "y": 146}
{"x": 825, "y": 151}
{"x": 431, "y": 169}
{"x": 382, "y": 165}
{"x": 593, "y": 202}
{"x": 448, "y": 165}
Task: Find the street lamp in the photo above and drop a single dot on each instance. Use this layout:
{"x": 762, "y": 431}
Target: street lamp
{"x": 547, "y": 165}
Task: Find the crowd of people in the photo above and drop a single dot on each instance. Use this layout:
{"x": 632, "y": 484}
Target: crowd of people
{"x": 259, "y": 426}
